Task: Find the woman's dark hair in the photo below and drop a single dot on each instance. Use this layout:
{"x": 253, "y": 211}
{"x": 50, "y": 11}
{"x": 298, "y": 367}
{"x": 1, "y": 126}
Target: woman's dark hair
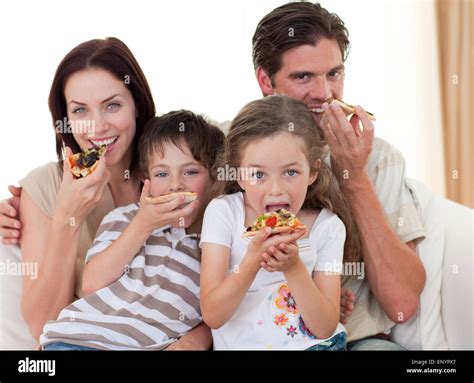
{"x": 293, "y": 25}
{"x": 112, "y": 55}
{"x": 274, "y": 115}
{"x": 204, "y": 140}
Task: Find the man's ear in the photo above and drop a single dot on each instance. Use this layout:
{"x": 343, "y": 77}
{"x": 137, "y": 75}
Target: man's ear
{"x": 264, "y": 82}
{"x": 314, "y": 171}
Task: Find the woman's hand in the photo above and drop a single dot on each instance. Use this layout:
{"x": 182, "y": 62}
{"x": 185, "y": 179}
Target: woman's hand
{"x": 154, "y": 215}
{"x": 9, "y": 212}
{"x": 78, "y": 197}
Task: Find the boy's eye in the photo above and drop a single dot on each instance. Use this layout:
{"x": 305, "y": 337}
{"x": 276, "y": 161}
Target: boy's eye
{"x": 113, "y": 106}
{"x": 191, "y": 172}
{"x": 291, "y": 172}
{"x": 161, "y": 174}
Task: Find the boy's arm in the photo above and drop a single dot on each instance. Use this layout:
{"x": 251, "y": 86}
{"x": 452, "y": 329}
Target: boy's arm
{"x": 109, "y": 265}
{"x": 198, "y": 339}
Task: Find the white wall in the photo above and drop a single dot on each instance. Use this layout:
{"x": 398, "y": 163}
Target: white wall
{"x": 197, "y": 55}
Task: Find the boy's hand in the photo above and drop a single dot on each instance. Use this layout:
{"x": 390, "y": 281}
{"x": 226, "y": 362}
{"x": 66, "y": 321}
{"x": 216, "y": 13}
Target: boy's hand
{"x": 153, "y": 215}
{"x": 280, "y": 258}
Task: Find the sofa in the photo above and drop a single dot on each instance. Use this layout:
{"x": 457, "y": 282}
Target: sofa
{"x": 444, "y": 321}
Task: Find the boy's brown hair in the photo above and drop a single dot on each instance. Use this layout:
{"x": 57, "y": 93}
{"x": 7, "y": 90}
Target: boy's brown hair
{"x": 203, "y": 139}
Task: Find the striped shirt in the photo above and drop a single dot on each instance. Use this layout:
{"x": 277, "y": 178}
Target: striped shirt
{"x": 155, "y": 301}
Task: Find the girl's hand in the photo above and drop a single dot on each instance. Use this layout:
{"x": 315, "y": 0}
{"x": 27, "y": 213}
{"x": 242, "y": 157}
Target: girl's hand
{"x": 347, "y": 305}
{"x": 281, "y": 258}
{"x": 153, "y": 215}
{"x": 262, "y": 241}
{"x": 78, "y": 197}
{"x": 9, "y": 213}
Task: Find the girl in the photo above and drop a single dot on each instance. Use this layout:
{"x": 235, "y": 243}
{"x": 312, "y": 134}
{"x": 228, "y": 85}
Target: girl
{"x": 280, "y": 291}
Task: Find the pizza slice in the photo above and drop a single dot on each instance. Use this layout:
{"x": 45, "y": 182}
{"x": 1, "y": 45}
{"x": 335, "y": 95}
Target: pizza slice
{"x": 188, "y": 197}
{"x": 349, "y": 109}
{"x": 280, "y": 221}
{"x": 83, "y": 164}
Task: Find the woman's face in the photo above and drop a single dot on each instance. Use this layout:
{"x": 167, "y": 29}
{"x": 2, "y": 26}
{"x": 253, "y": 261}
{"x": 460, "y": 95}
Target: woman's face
{"x": 101, "y": 111}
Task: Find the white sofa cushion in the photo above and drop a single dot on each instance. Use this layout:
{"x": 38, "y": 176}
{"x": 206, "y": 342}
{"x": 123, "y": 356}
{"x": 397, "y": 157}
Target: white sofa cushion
{"x": 457, "y": 291}
{"x": 424, "y": 331}
{"x": 14, "y": 332}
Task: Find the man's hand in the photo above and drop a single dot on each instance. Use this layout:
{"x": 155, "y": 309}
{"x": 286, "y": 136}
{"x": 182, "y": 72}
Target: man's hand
{"x": 347, "y": 305}
{"x": 9, "y": 213}
{"x": 350, "y": 147}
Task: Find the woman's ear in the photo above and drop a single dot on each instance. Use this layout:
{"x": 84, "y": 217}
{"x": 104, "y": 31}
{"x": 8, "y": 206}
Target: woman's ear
{"x": 314, "y": 171}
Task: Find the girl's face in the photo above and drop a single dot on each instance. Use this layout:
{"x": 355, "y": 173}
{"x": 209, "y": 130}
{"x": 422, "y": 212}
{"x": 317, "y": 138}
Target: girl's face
{"x": 178, "y": 171}
{"x": 101, "y": 111}
{"x": 280, "y": 174}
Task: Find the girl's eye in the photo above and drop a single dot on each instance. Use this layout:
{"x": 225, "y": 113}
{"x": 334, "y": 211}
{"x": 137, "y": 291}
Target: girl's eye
{"x": 161, "y": 174}
{"x": 291, "y": 173}
{"x": 113, "y": 106}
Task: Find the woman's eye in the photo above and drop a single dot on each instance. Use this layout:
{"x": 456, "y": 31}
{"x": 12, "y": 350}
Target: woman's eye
{"x": 78, "y": 110}
{"x": 161, "y": 174}
{"x": 291, "y": 173}
{"x": 113, "y": 106}
{"x": 258, "y": 175}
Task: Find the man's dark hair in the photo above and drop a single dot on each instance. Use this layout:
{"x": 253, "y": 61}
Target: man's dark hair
{"x": 293, "y": 25}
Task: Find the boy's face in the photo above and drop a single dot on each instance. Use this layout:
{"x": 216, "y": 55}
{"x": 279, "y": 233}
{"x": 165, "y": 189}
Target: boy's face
{"x": 177, "y": 171}
{"x": 278, "y": 181}
{"x": 312, "y": 74}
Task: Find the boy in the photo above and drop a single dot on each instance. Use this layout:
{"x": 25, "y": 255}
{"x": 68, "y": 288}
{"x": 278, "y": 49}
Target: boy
{"x": 141, "y": 277}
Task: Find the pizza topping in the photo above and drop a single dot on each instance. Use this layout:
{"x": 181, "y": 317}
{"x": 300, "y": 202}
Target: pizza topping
{"x": 281, "y": 217}
{"x": 82, "y": 164}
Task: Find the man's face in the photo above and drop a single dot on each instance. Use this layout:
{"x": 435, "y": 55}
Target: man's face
{"x": 312, "y": 74}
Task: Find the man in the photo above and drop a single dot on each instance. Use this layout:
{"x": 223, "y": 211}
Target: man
{"x": 299, "y": 50}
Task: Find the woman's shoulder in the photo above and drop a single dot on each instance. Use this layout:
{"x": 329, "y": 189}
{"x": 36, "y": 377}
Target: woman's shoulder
{"x": 42, "y": 185}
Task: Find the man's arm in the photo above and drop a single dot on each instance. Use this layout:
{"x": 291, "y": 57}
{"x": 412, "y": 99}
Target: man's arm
{"x": 395, "y": 274}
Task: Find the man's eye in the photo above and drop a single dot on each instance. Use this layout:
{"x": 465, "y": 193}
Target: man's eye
{"x": 335, "y": 75}
{"x": 161, "y": 174}
{"x": 302, "y": 77}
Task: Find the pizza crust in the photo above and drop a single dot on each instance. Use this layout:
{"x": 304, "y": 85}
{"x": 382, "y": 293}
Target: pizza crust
{"x": 276, "y": 230}
{"x": 188, "y": 197}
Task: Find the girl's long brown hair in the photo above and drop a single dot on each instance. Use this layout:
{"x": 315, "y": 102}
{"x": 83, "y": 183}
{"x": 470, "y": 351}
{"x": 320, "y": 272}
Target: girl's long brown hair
{"x": 280, "y": 114}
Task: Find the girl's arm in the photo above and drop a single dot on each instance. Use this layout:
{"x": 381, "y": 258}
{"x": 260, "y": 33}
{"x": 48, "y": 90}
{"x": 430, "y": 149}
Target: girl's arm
{"x": 318, "y": 299}
{"x": 198, "y": 339}
{"x": 222, "y": 292}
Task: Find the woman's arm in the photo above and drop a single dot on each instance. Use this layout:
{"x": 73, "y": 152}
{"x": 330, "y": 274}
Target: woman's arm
{"x": 198, "y": 339}
{"x": 52, "y": 245}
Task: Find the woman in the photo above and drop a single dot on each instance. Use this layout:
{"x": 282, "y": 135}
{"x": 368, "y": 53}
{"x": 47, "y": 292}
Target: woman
{"x": 99, "y": 96}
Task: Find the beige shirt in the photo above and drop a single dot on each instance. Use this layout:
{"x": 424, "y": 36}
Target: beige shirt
{"x": 387, "y": 171}
{"x": 42, "y": 185}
